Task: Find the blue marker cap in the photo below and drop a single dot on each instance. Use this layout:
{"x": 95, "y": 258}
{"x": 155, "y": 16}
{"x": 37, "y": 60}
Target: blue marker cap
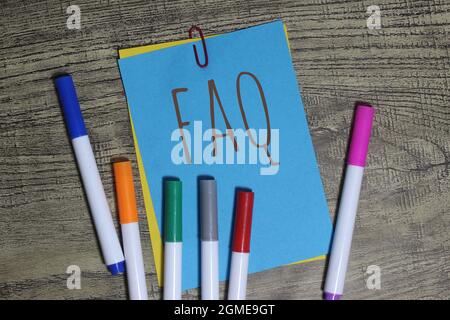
{"x": 70, "y": 106}
{"x": 116, "y": 268}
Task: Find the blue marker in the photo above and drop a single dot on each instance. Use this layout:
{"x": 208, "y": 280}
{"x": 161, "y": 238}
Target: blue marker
{"x": 101, "y": 214}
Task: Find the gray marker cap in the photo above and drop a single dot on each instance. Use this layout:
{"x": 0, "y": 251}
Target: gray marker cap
{"x": 208, "y": 210}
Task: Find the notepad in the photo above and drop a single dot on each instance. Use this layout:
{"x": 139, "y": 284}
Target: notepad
{"x": 240, "y": 120}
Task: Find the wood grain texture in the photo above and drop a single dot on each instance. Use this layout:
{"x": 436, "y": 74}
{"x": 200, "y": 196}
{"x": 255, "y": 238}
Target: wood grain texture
{"x": 403, "y": 69}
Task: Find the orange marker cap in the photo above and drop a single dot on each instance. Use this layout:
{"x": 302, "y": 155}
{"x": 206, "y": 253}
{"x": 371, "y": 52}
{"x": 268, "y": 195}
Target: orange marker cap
{"x": 126, "y": 197}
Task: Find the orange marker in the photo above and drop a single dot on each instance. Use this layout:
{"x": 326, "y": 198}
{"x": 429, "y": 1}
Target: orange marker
{"x": 128, "y": 214}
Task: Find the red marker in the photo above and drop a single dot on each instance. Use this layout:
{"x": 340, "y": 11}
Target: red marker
{"x": 241, "y": 246}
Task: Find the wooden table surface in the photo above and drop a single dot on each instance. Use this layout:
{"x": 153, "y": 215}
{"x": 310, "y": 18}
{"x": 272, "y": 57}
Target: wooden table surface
{"x": 403, "y": 69}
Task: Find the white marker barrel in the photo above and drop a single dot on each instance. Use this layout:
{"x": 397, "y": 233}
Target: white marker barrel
{"x": 210, "y": 270}
{"x": 137, "y": 286}
{"x": 342, "y": 239}
{"x": 343, "y": 233}
{"x": 172, "y": 270}
{"x": 101, "y": 214}
{"x": 237, "y": 289}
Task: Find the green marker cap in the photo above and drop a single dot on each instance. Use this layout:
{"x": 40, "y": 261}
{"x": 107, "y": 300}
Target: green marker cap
{"x": 172, "y": 211}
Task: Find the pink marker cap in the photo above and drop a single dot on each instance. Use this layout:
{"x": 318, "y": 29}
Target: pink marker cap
{"x": 362, "y": 126}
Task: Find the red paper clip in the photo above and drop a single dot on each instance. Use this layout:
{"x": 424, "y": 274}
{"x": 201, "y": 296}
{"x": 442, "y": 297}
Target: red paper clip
{"x": 191, "y": 30}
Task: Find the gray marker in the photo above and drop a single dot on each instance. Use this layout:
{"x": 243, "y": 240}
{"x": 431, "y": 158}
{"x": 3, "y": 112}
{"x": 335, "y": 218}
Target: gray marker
{"x": 210, "y": 240}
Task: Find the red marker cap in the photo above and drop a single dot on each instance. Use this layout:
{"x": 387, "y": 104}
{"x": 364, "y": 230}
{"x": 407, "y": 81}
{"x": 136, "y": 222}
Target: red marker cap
{"x": 243, "y": 221}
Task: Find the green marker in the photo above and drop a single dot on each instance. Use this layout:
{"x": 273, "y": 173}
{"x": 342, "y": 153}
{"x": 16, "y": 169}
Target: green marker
{"x": 173, "y": 242}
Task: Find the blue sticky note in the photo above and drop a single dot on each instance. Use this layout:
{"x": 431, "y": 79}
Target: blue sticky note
{"x": 251, "y": 73}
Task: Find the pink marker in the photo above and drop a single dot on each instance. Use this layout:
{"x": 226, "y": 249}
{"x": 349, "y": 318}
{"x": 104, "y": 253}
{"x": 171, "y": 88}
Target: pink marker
{"x": 342, "y": 239}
